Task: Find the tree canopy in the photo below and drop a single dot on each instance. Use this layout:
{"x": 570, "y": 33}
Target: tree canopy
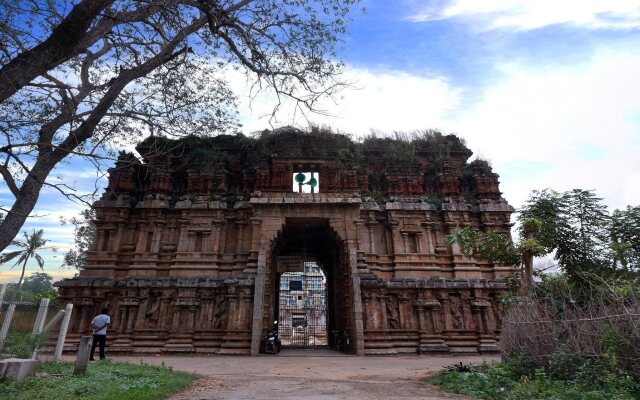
{"x": 36, "y": 286}
{"x": 84, "y": 78}
{"x": 84, "y": 236}
{"x": 573, "y": 227}
{"x": 28, "y": 249}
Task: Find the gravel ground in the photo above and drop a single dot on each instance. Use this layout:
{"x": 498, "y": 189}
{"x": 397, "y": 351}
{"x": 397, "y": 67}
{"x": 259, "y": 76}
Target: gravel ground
{"x": 310, "y": 375}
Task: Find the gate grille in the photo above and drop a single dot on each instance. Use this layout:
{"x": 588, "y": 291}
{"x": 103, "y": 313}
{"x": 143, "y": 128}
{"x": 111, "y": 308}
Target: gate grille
{"x": 302, "y": 321}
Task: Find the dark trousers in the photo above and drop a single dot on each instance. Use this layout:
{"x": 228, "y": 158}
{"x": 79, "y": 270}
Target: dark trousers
{"x": 101, "y": 340}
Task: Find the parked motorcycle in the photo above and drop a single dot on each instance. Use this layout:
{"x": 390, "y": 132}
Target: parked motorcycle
{"x": 341, "y": 340}
{"x": 272, "y": 341}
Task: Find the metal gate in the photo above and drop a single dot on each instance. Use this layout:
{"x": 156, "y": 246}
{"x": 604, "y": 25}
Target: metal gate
{"x": 302, "y": 319}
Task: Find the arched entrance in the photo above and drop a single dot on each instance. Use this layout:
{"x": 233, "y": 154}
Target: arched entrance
{"x": 310, "y": 288}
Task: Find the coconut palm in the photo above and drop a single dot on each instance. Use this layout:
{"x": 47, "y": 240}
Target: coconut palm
{"x": 28, "y": 249}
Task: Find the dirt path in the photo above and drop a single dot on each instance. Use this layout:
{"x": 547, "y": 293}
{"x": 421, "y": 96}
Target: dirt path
{"x": 313, "y": 376}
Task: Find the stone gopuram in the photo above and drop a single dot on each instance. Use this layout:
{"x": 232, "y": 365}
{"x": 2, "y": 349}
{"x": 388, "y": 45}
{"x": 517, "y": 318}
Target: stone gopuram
{"x": 194, "y": 235}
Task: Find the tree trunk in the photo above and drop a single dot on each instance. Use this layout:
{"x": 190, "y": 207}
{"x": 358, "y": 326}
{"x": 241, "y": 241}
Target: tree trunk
{"x": 25, "y": 202}
{"x": 15, "y": 294}
{"x": 56, "y": 49}
{"x": 527, "y": 273}
{"x": 47, "y": 159}
{"x": 527, "y": 261}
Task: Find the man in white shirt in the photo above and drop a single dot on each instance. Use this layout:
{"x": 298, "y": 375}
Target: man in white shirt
{"x": 100, "y": 323}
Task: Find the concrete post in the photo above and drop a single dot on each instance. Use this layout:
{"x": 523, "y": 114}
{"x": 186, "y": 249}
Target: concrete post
{"x": 82, "y": 358}
{"x": 3, "y": 288}
{"x": 54, "y": 320}
{"x": 8, "y": 317}
{"x": 39, "y": 324}
{"x": 63, "y": 332}
{"x": 41, "y": 317}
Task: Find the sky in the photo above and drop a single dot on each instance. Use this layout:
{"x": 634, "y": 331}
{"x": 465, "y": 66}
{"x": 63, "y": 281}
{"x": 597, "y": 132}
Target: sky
{"x": 547, "y": 91}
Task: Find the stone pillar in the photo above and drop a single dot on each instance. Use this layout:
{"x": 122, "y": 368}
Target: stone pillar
{"x": 430, "y": 249}
{"x": 357, "y": 302}
{"x": 141, "y": 243}
{"x": 357, "y": 222}
{"x": 240, "y": 240}
{"x": 481, "y": 308}
{"x": 405, "y": 320}
{"x": 446, "y": 313}
{"x": 157, "y": 236}
{"x": 86, "y": 304}
{"x": 372, "y": 238}
{"x": 405, "y": 243}
{"x": 117, "y": 242}
{"x": 258, "y": 301}
{"x": 222, "y": 237}
{"x": 183, "y": 241}
{"x": 235, "y": 340}
{"x": 430, "y": 338}
{"x": 395, "y": 237}
{"x": 217, "y": 229}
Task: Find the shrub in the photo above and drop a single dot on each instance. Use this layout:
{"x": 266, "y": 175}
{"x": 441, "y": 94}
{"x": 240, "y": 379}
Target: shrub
{"x": 513, "y": 380}
{"x": 22, "y": 345}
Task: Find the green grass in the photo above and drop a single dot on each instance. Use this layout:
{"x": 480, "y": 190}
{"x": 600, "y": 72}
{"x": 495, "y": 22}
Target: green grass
{"x": 104, "y": 380}
{"x": 500, "y": 382}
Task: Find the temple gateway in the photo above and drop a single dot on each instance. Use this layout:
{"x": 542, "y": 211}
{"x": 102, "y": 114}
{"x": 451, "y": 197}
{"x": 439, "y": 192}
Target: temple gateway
{"x": 202, "y": 243}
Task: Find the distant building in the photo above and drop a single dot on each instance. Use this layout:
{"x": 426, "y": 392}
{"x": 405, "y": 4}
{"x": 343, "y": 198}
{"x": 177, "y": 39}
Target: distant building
{"x": 302, "y": 313}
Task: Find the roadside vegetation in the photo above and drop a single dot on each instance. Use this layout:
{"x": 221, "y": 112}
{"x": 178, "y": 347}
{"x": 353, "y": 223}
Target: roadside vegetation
{"x": 573, "y": 333}
{"x": 104, "y": 380}
{"x": 518, "y": 379}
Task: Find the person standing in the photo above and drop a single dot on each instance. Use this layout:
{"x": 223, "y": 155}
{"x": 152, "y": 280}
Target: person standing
{"x": 100, "y": 323}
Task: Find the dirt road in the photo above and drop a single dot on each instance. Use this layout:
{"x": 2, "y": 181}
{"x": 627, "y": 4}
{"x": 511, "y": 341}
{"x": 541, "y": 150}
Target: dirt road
{"x": 310, "y": 376}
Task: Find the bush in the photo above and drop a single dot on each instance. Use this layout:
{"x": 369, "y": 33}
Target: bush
{"x": 560, "y": 327}
{"x": 22, "y": 345}
{"x": 513, "y": 380}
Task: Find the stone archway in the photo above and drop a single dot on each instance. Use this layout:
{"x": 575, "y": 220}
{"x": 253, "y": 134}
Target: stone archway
{"x": 312, "y": 239}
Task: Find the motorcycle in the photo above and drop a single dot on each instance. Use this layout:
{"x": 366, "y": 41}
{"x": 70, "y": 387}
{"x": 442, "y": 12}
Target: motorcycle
{"x": 272, "y": 341}
{"x": 341, "y": 340}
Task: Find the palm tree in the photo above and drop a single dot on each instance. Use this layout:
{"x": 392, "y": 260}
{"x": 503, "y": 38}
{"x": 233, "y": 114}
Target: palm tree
{"x": 29, "y": 247}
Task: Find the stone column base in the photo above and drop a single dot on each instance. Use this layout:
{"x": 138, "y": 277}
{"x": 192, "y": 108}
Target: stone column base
{"x": 488, "y": 346}
{"x": 179, "y": 344}
{"x": 236, "y": 344}
{"x": 432, "y": 345}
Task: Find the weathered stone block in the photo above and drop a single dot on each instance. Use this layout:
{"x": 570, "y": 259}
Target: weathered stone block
{"x": 17, "y": 369}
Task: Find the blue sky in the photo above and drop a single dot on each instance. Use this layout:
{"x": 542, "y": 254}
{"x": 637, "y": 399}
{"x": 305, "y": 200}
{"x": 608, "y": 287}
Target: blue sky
{"x": 548, "y": 91}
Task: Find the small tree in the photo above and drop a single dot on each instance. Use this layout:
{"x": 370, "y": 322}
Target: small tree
{"x": 625, "y": 238}
{"x": 499, "y": 247}
{"x": 29, "y": 248}
{"x": 85, "y": 233}
{"x": 575, "y": 227}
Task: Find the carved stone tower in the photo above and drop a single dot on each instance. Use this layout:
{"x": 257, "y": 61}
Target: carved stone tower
{"x": 193, "y": 238}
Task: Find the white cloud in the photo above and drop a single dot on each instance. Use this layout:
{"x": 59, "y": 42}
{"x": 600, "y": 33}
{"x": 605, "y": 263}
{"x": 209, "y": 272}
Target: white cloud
{"x": 383, "y": 100}
{"x": 551, "y": 116}
{"x": 561, "y": 127}
{"x": 533, "y": 14}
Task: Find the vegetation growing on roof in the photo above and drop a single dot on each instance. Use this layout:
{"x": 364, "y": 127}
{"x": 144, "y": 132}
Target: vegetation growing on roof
{"x": 376, "y": 156}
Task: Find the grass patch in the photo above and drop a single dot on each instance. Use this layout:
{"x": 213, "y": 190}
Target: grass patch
{"x": 506, "y": 382}
{"x": 104, "y": 380}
